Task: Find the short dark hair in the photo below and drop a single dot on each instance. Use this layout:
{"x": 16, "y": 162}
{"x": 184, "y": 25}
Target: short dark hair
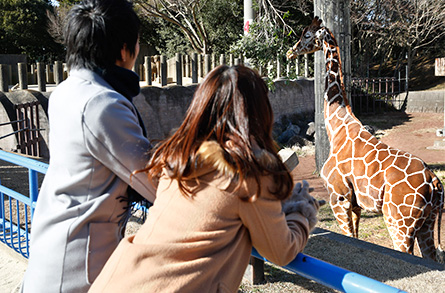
{"x": 96, "y": 31}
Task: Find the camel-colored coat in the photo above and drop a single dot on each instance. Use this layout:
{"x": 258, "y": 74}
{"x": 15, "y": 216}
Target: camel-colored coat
{"x": 203, "y": 243}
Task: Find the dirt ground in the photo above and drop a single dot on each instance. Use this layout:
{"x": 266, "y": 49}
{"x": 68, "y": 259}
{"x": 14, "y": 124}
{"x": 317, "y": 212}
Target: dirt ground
{"x": 411, "y": 132}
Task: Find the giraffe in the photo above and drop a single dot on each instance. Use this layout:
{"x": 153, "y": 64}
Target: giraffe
{"x": 362, "y": 173}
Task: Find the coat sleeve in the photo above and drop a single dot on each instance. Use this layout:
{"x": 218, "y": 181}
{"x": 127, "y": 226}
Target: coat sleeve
{"x": 277, "y": 237}
{"x": 114, "y": 137}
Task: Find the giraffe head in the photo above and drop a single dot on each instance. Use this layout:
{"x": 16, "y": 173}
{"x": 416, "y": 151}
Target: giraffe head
{"x": 310, "y": 40}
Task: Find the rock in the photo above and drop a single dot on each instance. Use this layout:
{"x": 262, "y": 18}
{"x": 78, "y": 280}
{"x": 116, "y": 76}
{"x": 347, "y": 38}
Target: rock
{"x": 310, "y": 132}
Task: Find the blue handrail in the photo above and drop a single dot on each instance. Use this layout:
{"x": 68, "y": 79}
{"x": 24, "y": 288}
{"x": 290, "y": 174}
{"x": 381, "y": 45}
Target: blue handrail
{"x": 321, "y": 272}
{"x": 14, "y": 231}
{"x": 332, "y": 276}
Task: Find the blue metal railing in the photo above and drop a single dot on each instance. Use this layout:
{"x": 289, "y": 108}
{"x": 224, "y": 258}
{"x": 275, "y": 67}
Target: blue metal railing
{"x": 332, "y": 276}
{"x": 15, "y": 234}
{"x": 16, "y": 209}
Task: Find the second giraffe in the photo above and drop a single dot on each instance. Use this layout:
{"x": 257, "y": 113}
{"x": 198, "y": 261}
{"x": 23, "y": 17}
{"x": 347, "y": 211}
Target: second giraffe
{"x": 362, "y": 173}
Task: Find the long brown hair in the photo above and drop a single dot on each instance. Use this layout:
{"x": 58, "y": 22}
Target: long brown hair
{"x": 231, "y": 104}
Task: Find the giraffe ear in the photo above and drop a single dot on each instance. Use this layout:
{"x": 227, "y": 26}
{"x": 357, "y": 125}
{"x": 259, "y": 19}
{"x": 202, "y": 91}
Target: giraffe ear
{"x": 317, "y": 21}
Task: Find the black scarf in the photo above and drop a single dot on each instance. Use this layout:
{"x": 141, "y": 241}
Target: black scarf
{"x": 126, "y": 82}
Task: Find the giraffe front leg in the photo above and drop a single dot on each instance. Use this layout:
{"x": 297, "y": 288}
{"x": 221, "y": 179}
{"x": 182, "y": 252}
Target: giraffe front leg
{"x": 342, "y": 209}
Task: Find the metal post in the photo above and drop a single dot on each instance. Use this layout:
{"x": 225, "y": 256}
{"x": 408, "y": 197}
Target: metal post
{"x": 406, "y": 74}
{"x": 41, "y": 77}
{"x": 248, "y": 15}
{"x": 306, "y": 65}
{"x": 23, "y": 76}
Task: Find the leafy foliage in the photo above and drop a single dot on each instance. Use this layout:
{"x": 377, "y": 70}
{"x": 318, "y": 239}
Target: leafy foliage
{"x": 23, "y": 29}
{"x": 268, "y": 40}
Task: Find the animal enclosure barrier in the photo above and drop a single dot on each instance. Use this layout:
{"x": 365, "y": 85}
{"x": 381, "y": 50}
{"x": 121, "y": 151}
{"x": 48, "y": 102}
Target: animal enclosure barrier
{"x": 28, "y": 129}
{"x": 16, "y": 213}
{"x": 376, "y": 95}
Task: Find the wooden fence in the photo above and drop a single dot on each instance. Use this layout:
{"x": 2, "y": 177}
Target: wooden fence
{"x": 369, "y": 95}
{"x": 180, "y": 70}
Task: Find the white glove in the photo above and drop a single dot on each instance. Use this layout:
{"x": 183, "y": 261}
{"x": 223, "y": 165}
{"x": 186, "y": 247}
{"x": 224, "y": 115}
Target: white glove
{"x": 302, "y": 202}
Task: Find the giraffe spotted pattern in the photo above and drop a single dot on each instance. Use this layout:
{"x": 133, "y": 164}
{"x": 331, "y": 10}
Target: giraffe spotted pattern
{"x": 362, "y": 173}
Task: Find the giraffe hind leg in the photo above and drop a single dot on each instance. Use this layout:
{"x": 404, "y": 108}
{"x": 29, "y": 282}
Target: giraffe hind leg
{"x": 356, "y": 213}
{"x": 425, "y": 238}
{"x": 402, "y": 238}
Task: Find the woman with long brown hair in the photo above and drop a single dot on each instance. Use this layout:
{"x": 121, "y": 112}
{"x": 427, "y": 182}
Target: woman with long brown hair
{"x": 220, "y": 192}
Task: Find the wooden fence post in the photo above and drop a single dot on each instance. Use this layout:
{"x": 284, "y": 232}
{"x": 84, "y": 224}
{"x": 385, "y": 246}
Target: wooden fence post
{"x": 207, "y": 64}
{"x": 49, "y": 77}
{"x": 147, "y": 69}
{"x": 4, "y": 78}
{"x": 195, "y": 67}
{"x": 186, "y": 66}
{"x": 32, "y": 74}
{"x": 163, "y": 70}
{"x": 178, "y": 69}
{"x": 297, "y": 66}
{"x": 213, "y": 61}
{"x": 58, "y": 72}
{"x": 23, "y": 76}
{"x": 222, "y": 59}
{"x": 41, "y": 77}
{"x": 200, "y": 66}
{"x": 278, "y": 67}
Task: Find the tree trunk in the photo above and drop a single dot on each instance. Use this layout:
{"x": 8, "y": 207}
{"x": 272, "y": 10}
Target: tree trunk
{"x": 336, "y": 16}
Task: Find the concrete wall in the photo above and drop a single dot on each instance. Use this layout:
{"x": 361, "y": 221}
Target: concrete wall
{"x": 163, "y": 109}
{"x": 426, "y": 101}
{"x": 8, "y": 114}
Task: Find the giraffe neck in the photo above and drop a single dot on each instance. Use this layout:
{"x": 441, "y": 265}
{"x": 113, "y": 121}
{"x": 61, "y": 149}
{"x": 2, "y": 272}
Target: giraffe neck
{"x": 337, "y": 111}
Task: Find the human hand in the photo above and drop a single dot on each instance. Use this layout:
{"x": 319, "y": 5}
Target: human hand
{"x": 302, "y": 202}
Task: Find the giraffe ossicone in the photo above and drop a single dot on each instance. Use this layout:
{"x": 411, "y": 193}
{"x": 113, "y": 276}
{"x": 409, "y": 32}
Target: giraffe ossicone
{"x": 362, "y": 173}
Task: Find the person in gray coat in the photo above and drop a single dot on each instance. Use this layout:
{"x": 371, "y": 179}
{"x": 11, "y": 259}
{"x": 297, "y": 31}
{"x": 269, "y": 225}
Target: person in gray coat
{"x": 96, "y": 142}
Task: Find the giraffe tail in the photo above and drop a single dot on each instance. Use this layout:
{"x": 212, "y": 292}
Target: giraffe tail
{"x": 440, "y": 253}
